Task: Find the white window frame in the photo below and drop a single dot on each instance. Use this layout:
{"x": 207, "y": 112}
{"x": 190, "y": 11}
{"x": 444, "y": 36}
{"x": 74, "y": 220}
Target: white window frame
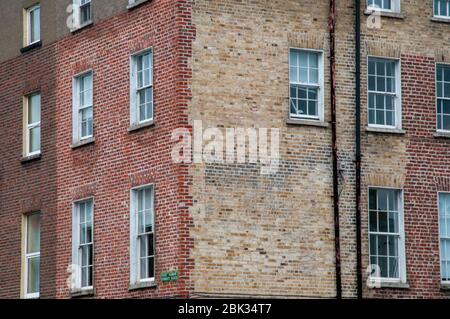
{"x": 444, "y": 98}
{"x": 445, "y": 282}
{"x": 30, "y": 126}
{"x": 441, "y": 16}
{"x": 395, "y": 6}
{"x": 398, "y": 94}
{"x": 28, "y": 256}
{"x": 134, "y": 242}
{"x": 29, "y": 25}
{"x": 321, "y": 86}
{"x": 77, "y": 13}
{"x": 76, "y": 249}
{"x": 134, "y": 107}
{"x": 76, "y": 110}
{"x": 132, "y": 3}
{"x": 401, "y": 238}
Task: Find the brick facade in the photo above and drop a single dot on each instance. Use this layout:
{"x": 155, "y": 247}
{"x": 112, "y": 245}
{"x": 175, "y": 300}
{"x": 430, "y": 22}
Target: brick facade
{"x": 107, "y": 169}
{"x": 227, "y": 229}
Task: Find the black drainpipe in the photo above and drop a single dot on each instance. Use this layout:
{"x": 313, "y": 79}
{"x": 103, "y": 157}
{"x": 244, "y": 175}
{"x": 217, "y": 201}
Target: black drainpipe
{"x": 332, "y": 29}
{"x": 358, "y": 146}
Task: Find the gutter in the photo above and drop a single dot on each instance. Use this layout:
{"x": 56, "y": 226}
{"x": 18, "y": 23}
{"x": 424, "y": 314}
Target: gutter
{"x": 332, "y": 30}
{"x": 358, "y": 146}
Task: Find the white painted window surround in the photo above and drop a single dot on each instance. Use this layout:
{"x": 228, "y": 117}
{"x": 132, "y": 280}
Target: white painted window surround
{"x": 141, "y": 88}
{"x": 386, "y": 235}
{"x": 83, "y": 245}
{"x": 33, "y": 124}
{"x": 142, "y": 230}
{"x": 443, "y": 98}
{"x": 441, "y": 9}
{"x": 306, "y": 84}
{"x": 384, "y": 93}
{"x": 384, "y": 5}
{"x": 444, "y": 234}
{"x": 82, "y": 108}
{"x": 31, "y": 283}
{"x": 33, "y": 24}
{"x": 82, "y": 13}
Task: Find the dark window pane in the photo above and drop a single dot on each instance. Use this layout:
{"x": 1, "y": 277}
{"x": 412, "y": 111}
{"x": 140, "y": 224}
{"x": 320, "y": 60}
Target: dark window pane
{"x": 372, "y": 198}
{"x": 382, "y": 262}
{"x": 382, "y": 222}
{"x": 382, "y": 245}
{"x": 393, "y": 268}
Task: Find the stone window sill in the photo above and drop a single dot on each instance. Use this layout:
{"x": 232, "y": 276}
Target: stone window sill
{"x": 136, "y": 4}
{"x": 387, "y": 14}
{"x": 305, "y": 122}
{"x": 142, "y": 285}
{"x": 445, "y": 286}
{"x": 30, "y": 47}
{"x": 442, "y": 135}
{"x": 32, "y": 158}
{"x": 83, "y": 26}
{"x": 84, "y": 142}
{"x": 82, "y": 293}
{"x": 382, "y": 130}
{"x": 136, "y": 127}
{"x": 394, "y": 285}
{"x": 440, "y": 20}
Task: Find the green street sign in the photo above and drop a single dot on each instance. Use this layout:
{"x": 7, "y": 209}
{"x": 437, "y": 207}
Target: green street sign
{"x": 169, "y": 276}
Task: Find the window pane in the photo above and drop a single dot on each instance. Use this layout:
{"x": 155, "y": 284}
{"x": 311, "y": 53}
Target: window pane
{"x": 33, "y": 275}
{"x": 34, "y": 108}
{"x": 144, "y": 268}
{"x": 86, "y": 122}
{"x": 85, "y": 13}
{"x": 393, "y": 222}
{"x": 372, "y": 86}
{"x": 293, "y": 76}
{"x": 314, "y": 76}
{"x": 35, "y": 139}
{"x": 148, "y": 211}
{"x": 382, "y": 245}
{"x": 33, "y": 233}
{"x": 145, "y": 99}
{"x": 373, "y": 245}
{"x": 444, "y": 232}
{"x": 383, "y": 221}
{"x": 393, "y": 268}
{"x": 304, "y": 75}
{"x": 382, "y": 199}
{"x": 34, "y": 24}
{"x": 382, "y": 263}
{"x": 143, "y": 246}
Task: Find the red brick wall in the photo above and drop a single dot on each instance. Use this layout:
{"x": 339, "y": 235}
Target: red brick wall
{"x": 428, "y": 172}
{"x": 107, "y": 169}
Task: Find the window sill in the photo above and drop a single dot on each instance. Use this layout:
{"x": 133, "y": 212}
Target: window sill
{"x": 142, "y": 285}
{"x": 30, "y": 47}
{"x": 394, "y": 285}
{"x": 84, "y": 142}
{"x": 382, "y": 130}
{"x": 440, "y": 20}
{"x": 387, "y": 14}
{"x": 445, "y": 286}
{"x": 31, "y": 158}
{"x": 442, "y": 135}
{"x": 82, "y": 293}
{"x": 317, "y": 123}
{"x": 136, "y": 4}
{"x": 83, "y": 26}
{"x": 136, "y": 127}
